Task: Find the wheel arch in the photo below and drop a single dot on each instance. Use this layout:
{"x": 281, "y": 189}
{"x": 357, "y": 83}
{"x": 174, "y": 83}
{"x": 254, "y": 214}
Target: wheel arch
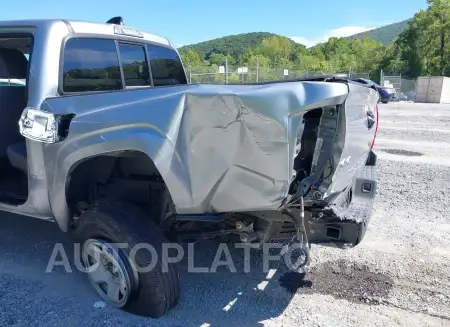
{"x": 70, "y": 163}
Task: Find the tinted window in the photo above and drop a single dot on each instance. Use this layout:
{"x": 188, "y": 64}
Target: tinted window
{"x": 166, "y": 66}
{"x": 91, "y": 65}
{"x": 134, "y": 65}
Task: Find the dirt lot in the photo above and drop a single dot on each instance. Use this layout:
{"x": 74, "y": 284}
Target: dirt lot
{"x": 399, "y": 275}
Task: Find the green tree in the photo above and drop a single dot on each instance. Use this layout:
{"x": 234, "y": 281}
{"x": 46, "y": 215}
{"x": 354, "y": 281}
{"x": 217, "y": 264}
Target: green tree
{"x": 367, "y": 53}
{"x": 424, "y": 47}
{"x": 309, "y": 62}
{"x": 220, "y": 59}
{"x": 277, "y": 49}
{"x": 252, "y": 59}
{"x": 191, "y": 58}
{"x": 436, "y": 23}
{"x": 391, "y": 61}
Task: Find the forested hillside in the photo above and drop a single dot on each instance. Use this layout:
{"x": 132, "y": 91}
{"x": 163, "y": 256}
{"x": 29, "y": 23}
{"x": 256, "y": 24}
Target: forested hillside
{"x": 385, "y": 34}
{"x": 422, "y": 48}
{"x": 234, "y": 45}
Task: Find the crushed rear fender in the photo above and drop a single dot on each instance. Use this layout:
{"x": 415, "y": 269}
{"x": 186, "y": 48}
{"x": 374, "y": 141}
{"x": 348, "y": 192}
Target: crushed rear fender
{"x": 237, "y": 143}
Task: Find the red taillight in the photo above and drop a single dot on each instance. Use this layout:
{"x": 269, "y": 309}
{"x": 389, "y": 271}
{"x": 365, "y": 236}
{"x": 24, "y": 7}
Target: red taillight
{"x": 376, "y": 129}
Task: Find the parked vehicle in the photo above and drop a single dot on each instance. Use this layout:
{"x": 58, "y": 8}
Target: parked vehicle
{"x": 108, "y": 140}
{"x": 386, "y": 93}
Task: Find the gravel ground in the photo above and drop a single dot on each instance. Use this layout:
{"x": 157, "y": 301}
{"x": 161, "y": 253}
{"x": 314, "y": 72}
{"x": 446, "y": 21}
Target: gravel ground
{"x": 398, "y": 276}
{"x": 417, "y": 134}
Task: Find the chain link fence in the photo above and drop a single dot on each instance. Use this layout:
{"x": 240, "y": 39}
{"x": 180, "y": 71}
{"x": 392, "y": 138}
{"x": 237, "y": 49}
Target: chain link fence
{"x": 405, "y": 87}
{"x": 355, "y": 75}
{"x": 249, "y": 74}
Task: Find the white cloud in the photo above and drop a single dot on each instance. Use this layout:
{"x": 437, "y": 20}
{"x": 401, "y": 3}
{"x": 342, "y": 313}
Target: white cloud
{"x": 338, "y": 32}
{"x": 308, "y": 42}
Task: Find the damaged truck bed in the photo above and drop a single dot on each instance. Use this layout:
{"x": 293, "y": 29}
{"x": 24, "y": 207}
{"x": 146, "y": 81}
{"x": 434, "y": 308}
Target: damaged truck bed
{"x": 256, "y": 150}
{"x": 242, "y": 155}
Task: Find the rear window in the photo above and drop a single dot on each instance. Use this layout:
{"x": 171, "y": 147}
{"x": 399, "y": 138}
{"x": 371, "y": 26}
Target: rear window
{"x": 166, "y": 66}
{"x": 134, "y": 64}
{"x": 91, "y": 65}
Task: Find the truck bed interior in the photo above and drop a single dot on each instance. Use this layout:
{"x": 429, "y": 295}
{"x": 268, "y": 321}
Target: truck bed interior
{"x": 13, "y": 99}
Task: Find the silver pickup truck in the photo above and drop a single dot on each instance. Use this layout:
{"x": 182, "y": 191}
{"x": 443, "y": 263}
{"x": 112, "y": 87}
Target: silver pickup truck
{"x": 104, "y": 136}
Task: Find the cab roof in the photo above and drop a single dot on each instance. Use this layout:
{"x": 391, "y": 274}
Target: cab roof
{"x": 85, "y": 27}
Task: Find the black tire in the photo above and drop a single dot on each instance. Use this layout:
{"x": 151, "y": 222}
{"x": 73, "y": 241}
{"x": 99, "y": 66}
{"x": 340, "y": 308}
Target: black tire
{"x": 385, "y": 102}
{"x": 156, "y": 292}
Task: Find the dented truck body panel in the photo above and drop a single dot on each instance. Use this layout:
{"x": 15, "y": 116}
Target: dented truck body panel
{"x": 356, "y": 136}
{"x": 219, "y": 148}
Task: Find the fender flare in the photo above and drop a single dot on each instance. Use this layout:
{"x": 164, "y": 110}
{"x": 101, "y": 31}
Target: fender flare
{"x": 144, "y": 138}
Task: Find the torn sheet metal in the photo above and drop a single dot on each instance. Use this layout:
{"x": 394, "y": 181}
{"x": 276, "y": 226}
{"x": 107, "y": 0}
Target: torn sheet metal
{"x": 242, "y": 139}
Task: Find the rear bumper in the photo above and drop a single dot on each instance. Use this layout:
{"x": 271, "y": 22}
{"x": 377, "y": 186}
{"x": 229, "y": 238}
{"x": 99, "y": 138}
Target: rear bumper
{"x": 339, "y": 226}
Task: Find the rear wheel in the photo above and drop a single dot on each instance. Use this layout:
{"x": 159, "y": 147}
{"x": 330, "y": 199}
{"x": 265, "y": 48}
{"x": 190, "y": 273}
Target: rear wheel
{"x": 114, "y": 271}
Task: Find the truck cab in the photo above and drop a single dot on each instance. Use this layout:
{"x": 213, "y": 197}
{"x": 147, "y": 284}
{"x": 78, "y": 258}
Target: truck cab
{"x": 44, "y": 59}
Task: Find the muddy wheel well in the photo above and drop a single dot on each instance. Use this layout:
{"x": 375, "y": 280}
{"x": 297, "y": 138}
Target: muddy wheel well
{"x": 126, "y": 175}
